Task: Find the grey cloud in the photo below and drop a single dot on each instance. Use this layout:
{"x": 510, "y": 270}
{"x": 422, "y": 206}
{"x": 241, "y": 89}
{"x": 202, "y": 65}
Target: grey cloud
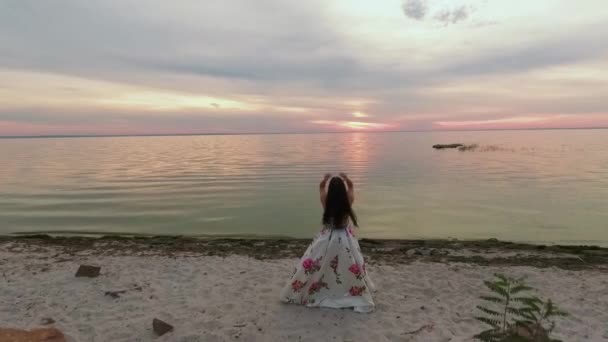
{"x": 108, "y": 40}
{"x": 572, "y": 48}
{"x": 330, "y": 69}
{"x": 453, "y": 16}
{"x": 98, "y": 40}
{"x": 255, "y": 48}
{"x": 415, "y": 9}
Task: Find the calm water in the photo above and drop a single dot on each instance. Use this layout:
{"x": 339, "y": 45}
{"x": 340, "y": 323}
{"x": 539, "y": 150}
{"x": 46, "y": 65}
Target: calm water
{"x": 540, "y": 186}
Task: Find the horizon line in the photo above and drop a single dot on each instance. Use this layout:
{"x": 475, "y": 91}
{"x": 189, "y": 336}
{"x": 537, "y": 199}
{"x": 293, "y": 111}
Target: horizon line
{"x": 289, "y": 133}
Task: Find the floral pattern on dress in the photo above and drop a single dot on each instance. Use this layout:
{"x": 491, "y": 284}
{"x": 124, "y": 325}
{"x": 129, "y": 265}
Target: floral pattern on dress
{"x": 317, "y": 286}
{"x": 297, "y": 285}
{"x": 356, "y": 290}
{"x": 356, "y": 271}
{"x": 311, "y": 266}
{"x": 331, "y": 273}
{"x": 334, "y": 266}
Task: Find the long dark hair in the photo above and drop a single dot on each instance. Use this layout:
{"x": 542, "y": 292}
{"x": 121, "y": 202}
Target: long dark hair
{"x": 337, "y": 205}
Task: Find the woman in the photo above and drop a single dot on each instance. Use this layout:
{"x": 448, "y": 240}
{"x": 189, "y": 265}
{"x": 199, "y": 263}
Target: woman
{"x": 332, "y": 271}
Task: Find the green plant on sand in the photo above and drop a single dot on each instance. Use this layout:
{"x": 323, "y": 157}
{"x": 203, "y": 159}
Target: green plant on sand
{"x": 515, "y": 315}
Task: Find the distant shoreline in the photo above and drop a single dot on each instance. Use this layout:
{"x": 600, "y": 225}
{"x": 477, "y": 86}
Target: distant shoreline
{"x": 241, "y": 236}
{"x": 289, "y": 133}
{"x": 490, "y": 252}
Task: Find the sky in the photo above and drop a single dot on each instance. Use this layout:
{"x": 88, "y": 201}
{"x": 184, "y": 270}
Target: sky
{"x": 72, "y": 67}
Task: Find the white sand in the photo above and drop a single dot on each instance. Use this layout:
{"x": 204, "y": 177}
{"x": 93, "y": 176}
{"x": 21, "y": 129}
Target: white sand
{"x": 235, "y": 298}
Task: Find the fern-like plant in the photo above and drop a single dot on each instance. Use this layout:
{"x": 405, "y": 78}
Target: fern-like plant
{"x": 514, "y": 314}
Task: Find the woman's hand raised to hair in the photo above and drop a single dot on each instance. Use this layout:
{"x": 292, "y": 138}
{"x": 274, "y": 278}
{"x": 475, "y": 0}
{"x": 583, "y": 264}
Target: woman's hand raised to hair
{"x": 346, "y": 179}
{"x": 322, "y": 192}
{"x": 351, "y": 187}
{"x": 325, "y": 179}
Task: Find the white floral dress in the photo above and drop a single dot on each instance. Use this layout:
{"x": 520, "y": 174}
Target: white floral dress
{"x": 331, "y": 274}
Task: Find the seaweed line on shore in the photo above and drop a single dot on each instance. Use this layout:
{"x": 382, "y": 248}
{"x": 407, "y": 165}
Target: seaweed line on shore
{"x": 489, "y": 252}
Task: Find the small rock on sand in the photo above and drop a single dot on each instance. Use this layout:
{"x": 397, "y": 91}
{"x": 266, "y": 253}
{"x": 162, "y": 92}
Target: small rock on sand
{"x": 531, "y": 333}
{"x": 47, "y": 321}
{"x": 113, "y": 294}
{"x": 160, "y": 327}
{"x": 88, "y": 271}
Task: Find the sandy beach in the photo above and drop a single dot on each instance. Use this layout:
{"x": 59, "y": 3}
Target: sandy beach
{"x": 227, "y": 290}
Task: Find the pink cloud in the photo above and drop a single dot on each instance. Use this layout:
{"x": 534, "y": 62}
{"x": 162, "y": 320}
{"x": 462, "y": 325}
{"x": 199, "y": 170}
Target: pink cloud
{"x": 532, "y": 121}
{"x": 353, "y": 125}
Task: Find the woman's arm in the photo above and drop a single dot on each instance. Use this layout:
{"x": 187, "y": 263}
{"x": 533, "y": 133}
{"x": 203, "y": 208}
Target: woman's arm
{"x": 351, "y": 188}
{"x": 322, "y": 191}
